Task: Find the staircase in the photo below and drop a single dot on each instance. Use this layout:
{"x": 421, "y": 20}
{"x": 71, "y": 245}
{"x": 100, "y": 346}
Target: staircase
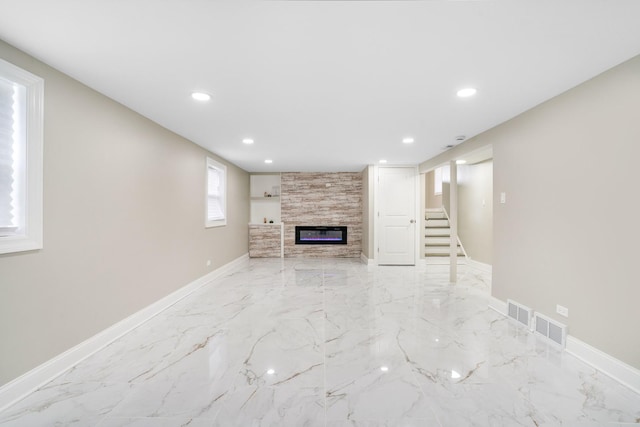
{"x": 437, "y": 234}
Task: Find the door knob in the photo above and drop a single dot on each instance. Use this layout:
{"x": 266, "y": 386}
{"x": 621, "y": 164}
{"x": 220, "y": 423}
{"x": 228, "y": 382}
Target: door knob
{"x": 412, "y": 221}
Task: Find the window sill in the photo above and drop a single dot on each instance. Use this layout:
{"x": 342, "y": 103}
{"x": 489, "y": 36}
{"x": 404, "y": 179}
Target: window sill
{"x": 13, "y": 244}
{"x": 218, "y": 223}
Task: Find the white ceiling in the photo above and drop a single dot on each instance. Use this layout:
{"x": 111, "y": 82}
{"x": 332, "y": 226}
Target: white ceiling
{"x": 326, "y": 85}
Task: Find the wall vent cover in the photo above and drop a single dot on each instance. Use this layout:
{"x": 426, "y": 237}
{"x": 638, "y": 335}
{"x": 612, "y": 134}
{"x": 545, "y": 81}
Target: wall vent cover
{"x": 519, "y": 312}
{"x": 550, "y": 329}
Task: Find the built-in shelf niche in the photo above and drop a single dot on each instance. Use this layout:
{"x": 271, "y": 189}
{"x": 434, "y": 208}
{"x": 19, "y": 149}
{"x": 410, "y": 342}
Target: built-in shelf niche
{"x": 265, "y": 207}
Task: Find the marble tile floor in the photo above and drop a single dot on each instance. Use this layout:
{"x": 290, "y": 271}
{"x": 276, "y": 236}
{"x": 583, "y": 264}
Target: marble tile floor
{"x": 331, "y": 343}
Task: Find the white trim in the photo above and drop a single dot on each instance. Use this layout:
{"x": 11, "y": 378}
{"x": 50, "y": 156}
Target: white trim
{"x": 616, "y": 369}
{"x": 608, "y": 365}
{"x": 485, "y": 268}
{"x": 421, "y": 219}
{"x": 216, "y": 165}
{"x": 418, "y": 229}
{"x": 376, "y": 214}
{"x": 498, "y": 305}
{"x": 20, "y": 387}
{"x": 367, "y": 261}
{"x": 32, "y": 237}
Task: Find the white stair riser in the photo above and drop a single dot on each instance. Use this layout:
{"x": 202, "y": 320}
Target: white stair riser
{"x": 437, "y": 223}
{"x": 440, "y": 232}
{"x": 437, "y": 240}
{"x": 439, "y": 250}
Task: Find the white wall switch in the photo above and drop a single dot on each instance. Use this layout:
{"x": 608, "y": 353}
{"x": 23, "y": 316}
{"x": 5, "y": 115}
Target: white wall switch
{"x": 503, "y": 197}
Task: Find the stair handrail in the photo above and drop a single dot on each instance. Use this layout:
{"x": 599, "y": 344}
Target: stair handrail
{"x": 457, "y": 235}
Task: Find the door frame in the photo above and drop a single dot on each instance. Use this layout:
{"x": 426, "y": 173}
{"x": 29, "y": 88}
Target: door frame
{"x": 376, "y": 210}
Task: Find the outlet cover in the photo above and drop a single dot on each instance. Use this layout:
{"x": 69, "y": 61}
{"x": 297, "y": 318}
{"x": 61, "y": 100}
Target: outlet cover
{"x": 563, "y": 311}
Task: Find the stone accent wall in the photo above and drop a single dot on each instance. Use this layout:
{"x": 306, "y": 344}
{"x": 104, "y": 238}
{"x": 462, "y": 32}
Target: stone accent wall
{"x": 264, "y": 241}
{"x": 329, "y": 199}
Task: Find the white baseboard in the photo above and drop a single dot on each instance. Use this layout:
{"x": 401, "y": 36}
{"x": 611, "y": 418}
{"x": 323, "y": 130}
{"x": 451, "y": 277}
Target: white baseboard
{"x": 17, "y": 389}
{"x": 609, "y": 365}
{"x": 498, "y": 305}
{"x": 486, "y": 268}
{"x": 366, "y": 260}
{"x": 616, "y": 369}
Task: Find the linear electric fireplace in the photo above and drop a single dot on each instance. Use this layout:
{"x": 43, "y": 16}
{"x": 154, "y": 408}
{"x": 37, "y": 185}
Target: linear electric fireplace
{"x": 312, "y": 235}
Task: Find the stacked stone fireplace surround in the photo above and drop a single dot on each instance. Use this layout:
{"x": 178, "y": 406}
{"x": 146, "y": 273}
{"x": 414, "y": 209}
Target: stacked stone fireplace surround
{"x": 322, "y": 199}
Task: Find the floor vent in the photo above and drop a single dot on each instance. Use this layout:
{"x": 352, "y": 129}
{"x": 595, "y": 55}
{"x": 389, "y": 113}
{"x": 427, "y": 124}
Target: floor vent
{"x": 519, "y": 313}
{"x": 549, "y": 328}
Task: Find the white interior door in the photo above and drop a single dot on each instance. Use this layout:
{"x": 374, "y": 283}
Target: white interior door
{"x": 396, "y": 219}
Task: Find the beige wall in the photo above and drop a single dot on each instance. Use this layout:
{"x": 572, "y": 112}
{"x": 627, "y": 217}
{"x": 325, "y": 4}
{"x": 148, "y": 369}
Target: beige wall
{"x": 550, "y": 244}
{"x": 475, "y": 210}
{"x": 432, "y": 200}
{"x": 123, "y": 223}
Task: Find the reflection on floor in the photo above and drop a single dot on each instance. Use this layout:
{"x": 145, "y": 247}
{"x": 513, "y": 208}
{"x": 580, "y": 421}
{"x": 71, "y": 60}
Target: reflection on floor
{"x": 330, "y": 343}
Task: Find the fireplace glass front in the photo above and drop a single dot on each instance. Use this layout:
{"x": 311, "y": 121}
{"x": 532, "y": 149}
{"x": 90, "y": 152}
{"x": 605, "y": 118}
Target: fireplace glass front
{"x": 320, "y": 235}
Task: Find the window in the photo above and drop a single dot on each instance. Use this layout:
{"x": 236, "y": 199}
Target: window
{"x": 437, "y": 182}
{"x": 216, "y": 194}
{"x": 21, "y": 112}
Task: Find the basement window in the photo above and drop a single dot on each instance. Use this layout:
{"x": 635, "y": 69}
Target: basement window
{"x": 216, "y": 214}
{"x": 21, "y": 130}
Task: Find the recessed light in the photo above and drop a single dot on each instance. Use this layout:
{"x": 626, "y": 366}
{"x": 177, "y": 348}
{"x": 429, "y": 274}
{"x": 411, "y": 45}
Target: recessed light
{"x": 408, "y": 140}
{"x": 268, "y": 161}
{"x": 382, "y": 161}
{"x": 460, "y": 162}
{"x": 384, "y": 368}
{"x": 466, "y": 92}
{"x": 455, "y": 375}
{"x": 271, "y": 371}
{"x": 247, "y": 141}
{"x": 201, "y": 96}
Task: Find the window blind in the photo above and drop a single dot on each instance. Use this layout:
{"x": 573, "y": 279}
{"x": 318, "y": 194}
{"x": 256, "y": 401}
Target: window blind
{"x": 21, "y": 137}
{"x": 7, "y": 93}
{"x": 215, "y": 194}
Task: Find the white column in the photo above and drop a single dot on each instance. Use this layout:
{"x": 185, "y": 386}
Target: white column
{"x": 422, "y": 222}
{"x": 453, "y": 221}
